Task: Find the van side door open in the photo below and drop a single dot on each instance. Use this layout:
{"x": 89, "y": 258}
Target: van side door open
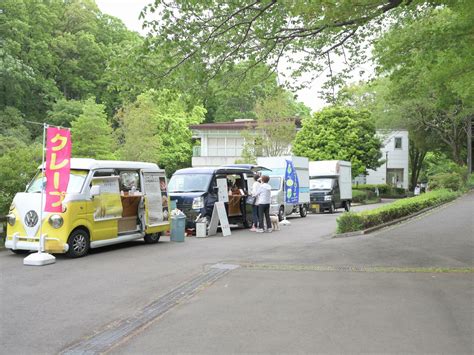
{"x": 155, "y": 201}
{"x": 106, "y": 207}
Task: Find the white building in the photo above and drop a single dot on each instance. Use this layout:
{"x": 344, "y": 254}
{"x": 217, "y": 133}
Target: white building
{"x": 222, "y": 143}
{"x": 395, "y": 153}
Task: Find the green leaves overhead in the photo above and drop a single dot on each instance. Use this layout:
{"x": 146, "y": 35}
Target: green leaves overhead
{"x": 429, "y": 58}
{"x": 263, "y": 31}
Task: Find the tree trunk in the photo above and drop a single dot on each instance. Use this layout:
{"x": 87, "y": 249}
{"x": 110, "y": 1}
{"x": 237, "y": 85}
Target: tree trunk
{"x": 417, "y": 157}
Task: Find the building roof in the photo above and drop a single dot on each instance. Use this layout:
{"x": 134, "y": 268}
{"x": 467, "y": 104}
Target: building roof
{"x": 239, "y": 125}
{"x": 234, "y": 125}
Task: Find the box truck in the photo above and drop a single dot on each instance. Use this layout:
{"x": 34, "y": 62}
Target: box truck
{"x": 330, "y": 183}
{"x": 278, "y": 166}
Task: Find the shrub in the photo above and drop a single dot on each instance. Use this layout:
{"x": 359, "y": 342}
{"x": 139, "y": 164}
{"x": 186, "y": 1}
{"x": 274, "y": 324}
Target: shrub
{"x": 452, "y": 181}
{"x": 350, "y": 222}
{"x": 358, "y": 196}
{"x": 363, "y": 196}
{"x": 381, "y": 187}
{"x": 470, "y": 182}
{"x": 384, "y": 190}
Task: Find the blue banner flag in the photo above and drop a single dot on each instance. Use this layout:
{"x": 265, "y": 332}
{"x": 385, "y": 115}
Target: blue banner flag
{"x": 292, "y": 189}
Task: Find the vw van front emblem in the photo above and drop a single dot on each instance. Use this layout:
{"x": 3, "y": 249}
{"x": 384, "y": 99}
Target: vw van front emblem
{"x": 31, "y": 218}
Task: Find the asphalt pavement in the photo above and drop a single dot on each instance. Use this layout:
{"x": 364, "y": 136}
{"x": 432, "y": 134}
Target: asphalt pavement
{"x": 408, "y": 288}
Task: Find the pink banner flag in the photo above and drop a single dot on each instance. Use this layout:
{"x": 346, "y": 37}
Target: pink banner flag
{"x": 58, "y": 163}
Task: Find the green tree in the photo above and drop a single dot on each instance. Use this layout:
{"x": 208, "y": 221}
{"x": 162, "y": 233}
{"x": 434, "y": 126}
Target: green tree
{"x": 338, "y": 133}
{"x": 155, "y": 128}
{"x": 91, "y": 133}
{"x": 18, "y": 163}
{"x": 389, "y": 113}
{"x": 275, "y": 126}
{"x": 63, "y": 112}
{"x": 428, "y": 57}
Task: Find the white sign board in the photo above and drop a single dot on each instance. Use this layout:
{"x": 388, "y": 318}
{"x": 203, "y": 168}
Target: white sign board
{"x": 222, "y": 193}
{"x": 219, "y": 214}
{"x": 154, "y": 202}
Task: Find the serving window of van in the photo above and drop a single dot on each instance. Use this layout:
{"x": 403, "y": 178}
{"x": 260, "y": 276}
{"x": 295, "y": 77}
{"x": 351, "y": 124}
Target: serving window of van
{"x": 130, "y": 181}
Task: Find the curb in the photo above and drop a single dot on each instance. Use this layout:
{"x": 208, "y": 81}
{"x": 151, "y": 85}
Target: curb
{"x": 387, "y": 224}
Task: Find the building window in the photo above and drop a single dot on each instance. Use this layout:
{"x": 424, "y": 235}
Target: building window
{"x": 398, "y": 142}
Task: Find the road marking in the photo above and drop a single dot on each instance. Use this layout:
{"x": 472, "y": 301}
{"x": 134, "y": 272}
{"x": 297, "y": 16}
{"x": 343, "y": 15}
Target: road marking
{"x": 348, "y": 268}
{"x": 117, "y": 332}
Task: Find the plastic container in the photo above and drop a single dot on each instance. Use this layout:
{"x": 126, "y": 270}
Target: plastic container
{"x": 201, "y": 229}
{"x": 178, "y": 226}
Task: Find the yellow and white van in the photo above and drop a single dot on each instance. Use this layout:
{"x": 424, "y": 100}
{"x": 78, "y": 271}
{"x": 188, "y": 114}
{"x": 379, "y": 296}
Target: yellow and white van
{"x": 107, "y": 202}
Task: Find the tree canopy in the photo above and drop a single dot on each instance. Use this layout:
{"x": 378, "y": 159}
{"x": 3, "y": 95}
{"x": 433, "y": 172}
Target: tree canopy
{"x": 263, "y": 31}
{"x": 338, "y": 133}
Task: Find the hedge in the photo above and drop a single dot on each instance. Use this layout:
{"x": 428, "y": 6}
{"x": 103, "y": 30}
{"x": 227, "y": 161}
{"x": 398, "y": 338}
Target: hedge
{"x": 364, "y": 196}
{"x": 354, "y": 221}
{"x": 385, "y": 190}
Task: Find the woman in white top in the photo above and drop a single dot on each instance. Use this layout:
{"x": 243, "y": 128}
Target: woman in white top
{"x": 255, "y": 187}
{"x": 264, "y": 196}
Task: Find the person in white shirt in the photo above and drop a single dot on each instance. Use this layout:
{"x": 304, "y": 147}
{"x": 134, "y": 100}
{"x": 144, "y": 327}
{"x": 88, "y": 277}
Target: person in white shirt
{"x": 417, "y": 190}
{"x": 255, "y": 187}
{"x": 264, "y": 196}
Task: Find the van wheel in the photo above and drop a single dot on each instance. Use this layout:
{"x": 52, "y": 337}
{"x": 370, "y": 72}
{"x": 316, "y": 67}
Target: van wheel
{"x": 79, "y": 243}
{"x": 303, "y": 211}
{"x": 281, "y": 213}
{"x": 152, "y": 238}
{"x": 347, "y": 206}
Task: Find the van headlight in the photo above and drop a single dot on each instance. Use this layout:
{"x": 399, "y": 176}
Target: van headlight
{"x": 56, "y": 221}
{"x": 11, "y": 219}
{"x": 274, "y": 200}
{"x": 198, "y": 203}
{"x": 328, "y": 198}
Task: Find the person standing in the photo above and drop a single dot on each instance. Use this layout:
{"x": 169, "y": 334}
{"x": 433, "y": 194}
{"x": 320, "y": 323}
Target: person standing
{"x": 417, "y": 190}
{"x": 264, "y": 195}
{"x": 253, "y": 192}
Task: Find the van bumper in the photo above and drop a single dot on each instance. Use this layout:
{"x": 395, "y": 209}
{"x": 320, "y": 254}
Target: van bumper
{"x": 17, "y": 242}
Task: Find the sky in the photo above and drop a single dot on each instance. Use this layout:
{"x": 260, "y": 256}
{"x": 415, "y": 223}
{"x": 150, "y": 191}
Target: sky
{"x": 129, "y": 10}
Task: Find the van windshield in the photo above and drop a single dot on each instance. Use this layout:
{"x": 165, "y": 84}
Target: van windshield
{"x": 320, "y": 184}
{"x": 189, "y": 183}
{"x": 76, "y": 180}
{"x": 275, "y": 183}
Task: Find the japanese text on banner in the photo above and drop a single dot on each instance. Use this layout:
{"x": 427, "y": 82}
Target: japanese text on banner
{"x": 58, "y": 163}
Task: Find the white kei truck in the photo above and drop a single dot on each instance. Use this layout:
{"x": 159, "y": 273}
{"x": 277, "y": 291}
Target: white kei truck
{"x": 330, "y": 184}
{"x": 277, "y": 167}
